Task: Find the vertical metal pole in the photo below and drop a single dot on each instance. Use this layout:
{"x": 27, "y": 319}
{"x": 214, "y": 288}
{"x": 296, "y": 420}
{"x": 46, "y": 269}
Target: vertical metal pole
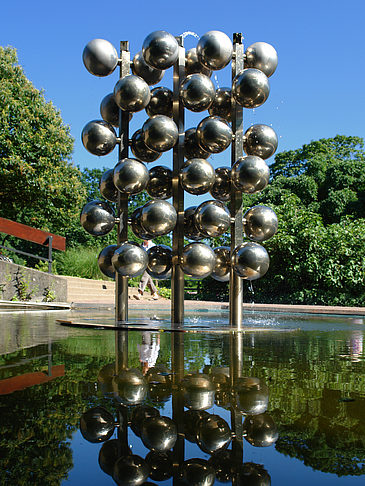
{"x": 177, "y": 368}
{"x": 121, "y": 283}
{"x": 235, "y": 372}
{"x": 50, "y": 240}
{"x": 235, "y": 282}
{"x": 177, "y": 279}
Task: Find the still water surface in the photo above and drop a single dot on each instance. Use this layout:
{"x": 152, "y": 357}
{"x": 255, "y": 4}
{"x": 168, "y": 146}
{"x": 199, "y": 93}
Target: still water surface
{"x": 283, "y": 403}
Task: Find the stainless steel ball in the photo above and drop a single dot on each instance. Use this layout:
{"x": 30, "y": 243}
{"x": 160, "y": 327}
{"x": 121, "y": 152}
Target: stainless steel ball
{"x": 260, "y": 140}
{"x": 130, "y": 176}
{"x": 221, "y": 188}
{"x": 108, "y": 455}
{"x": 190, "y": 420}
{"x": 223, "y": 263}
{"x": 161, "y": 464}
{"x": 139, "y": 415}
{"x": 222, "y": 104}
{"x": 132, "y": 93}
{"x": 197, "y": 92}
{"x": 193, "y": 65}
{"x": 160, "y": 102}
{"x": 190, "y": 230}
{"x": 252, "y": 396}
{"x": 197, "y": 472}
{"x": 214, "y": 50}
{"x": 160, "y": 133}
{"x": 222, "y": 463}
{"x": 197, "y": 176}
{"x": 130, "y": 470}
{"x": 160, "y": 49}
{"x": 158, "y": 217}
{"x": 130, "y": 260}
{"x": 263, "y": 56}
{"x": 198, "y": 260}
{"x": 97, "y": 218}
{"x": 212, "y": 218}
{"x": 105, "y": 260}
{"x": 254, "y": 474}
{"x": 98, "y": 137}
{"x": 260, "y": 223}
{"x": 213, "y": 434}
{"x": 130, "y": 387}
{"x": 140, "y": 149}
{"x": 97, "y": 425}
{"x": 159, "y": 433}
{"x": 100, "y": 57}
{"x": 160, "y": 182}
{"x": 159, "y": 262}
{"x": 260, "y": 430}
{"x": 109, "y": 110}
{"x": 198, "y": 390}
{"x": 214, "y": 134}
{"x": 192, "y": 149}
{"x": 107, "y": 187}
{"x": 250, "y": 261}
{"x": 250, "y": 174}
{"x": 137, "y": 228}
{"x": 251, "y": 88}
{"x": 145, "y": 71}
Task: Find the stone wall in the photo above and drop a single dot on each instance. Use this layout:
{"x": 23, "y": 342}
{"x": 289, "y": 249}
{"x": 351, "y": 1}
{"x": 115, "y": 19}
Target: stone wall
{"x": 22, "y": 283}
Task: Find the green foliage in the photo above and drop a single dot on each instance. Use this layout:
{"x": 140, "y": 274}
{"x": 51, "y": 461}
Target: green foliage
{"x": 80, "y": 262}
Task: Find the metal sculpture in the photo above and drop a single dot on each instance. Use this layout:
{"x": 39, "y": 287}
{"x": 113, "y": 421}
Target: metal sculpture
{"x": 164, "y": 130}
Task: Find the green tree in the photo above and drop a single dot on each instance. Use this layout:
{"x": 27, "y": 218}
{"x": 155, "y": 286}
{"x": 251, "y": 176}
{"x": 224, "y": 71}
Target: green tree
{"x": 39, "y": 185}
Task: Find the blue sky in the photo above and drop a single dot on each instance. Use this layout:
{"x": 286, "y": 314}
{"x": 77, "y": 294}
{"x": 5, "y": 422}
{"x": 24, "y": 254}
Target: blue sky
{"x": 316, "y": 92}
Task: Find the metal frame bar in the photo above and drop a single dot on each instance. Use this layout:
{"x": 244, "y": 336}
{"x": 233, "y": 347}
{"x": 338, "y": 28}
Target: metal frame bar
{"x": 49, "y": 259}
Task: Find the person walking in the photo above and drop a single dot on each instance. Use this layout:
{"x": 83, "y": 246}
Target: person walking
{"x": 146, "y": 279}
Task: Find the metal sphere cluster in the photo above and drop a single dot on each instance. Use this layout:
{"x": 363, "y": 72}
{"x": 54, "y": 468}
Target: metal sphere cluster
{"x": 130, "y": 176}
{"x": 214, "y": 134}
{"x": 212, "y": 219}
{"x": 260, "y": 140}
{"x": 192, "y": 149}
{"x": 160, "y": 133}
{"x": 132, "y": 93}
{"x": 130, "y": 260}
{"x": 145, "y": 71}
{"x": 198, "y": 260}
{"x": 160, "y": 49}
{"x": 140, "y": 149}
{"x": 99, "y": 137}
{"x": 251, "y": 88}
{"x": 193, "y": 65}
{"x": 214, "y": 50}
{"x": 197, "y": 176}
{"x": 158, "y": 217}
{"x": 222, "y": 104}
{"x": 97, "y": 218}
{"x": 250, "y": 261}
{"x": 250, "y": 174}
{"x": 160, "y": 102}
{"x": 197, "y": 92}
{"x": 263, "y": 56}
{"x": 160, "y": 182}
{"x": 100, "y": 57}
{"x": 160, "y": 262}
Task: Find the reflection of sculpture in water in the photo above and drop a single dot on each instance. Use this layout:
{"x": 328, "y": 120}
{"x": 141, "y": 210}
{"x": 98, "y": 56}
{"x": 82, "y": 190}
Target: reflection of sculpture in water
{"x": 148, "y": 350}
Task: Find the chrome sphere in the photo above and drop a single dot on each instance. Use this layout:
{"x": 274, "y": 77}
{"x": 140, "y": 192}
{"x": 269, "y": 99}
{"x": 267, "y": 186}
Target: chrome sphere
{"x": 263, "y": 56}
{"x": 106, "y": 186}
{"x": 191, "y": 419}
{"x": 137, "y": 227}
{"x": 159, "y": 374}
{"x": 160, "y": 102}
{"x": 221, "y": 188}
{"x": 254, "y": 474}
{"x": 160, "y": 183}
{"x": 100, "y": 57}
{"x": 97, "y": 425}
{"x": 130, "y": 176}
{"x": 197, "y": 472}
{"x": 98, "y": 137}
{"x": 160, "y": 49}
{"x": 192, "y": 64}
{"x": 222, "y": 104}
{"x": 130, "y": 387}
{"x": 158, "y": 217}
{"x": 159, "y": 262}
{"x": 252, "y": 396}
{"x": 192, "y": 149}
{"x": 260, "y": 223}
{"x": 159, "y": 433}
{"x": 212, "y": 218}
{"x": 97, "y": 218}
{"x": 222, "y": 463}
{"x": 251, "y": 88}
{"x": 213, "y": 434}
{"x": 132, "y": 93}
{"x": 250, "y": 174}
{"x": 109, "y": 110}
{"x": 140, "y": 149}
{"x": 198, "y": 260}
{"x": 105, "y": 260}
{"x": 197, "y": 176}
{"x": 130, "y": 470}
{"x": 223, "y": 263}
{"x": 214, "y": 134}
{"x": 160, "y": 133}
{"x": 198, "y": 390}
{"x": 260, "y": 140}
{"x": 145, "y": 71}
{"x": 214, "y": 50}
{"x": 161, "y": 464}
{"x": 108, "y": 455}
{"x": 190, "y": 230}
{"x": 139, "y": 415}
{"x": 197, "y": 92}
{"x": 260, "y": 430}
{"x": 250, "y": 261}
{"x": 105, "y": 376}
{"x": 130, "y": 260}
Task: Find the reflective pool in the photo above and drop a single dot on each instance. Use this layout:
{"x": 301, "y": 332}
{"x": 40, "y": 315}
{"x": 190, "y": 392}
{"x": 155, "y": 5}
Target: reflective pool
{"x": 280, "y": 403}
